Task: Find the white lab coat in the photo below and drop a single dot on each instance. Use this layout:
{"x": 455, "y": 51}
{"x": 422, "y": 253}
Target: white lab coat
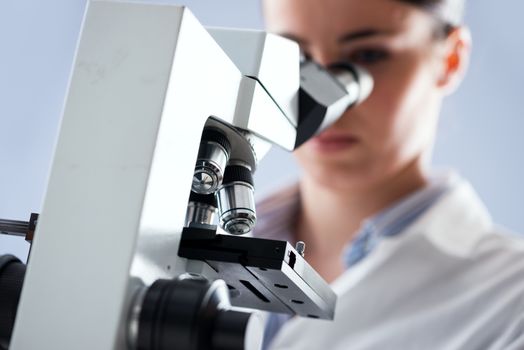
{"x": 450, "y": 281}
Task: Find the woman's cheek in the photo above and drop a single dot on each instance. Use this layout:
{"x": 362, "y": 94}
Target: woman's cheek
{"x": 411, "y": 120}
{"x": 382, "y": 107}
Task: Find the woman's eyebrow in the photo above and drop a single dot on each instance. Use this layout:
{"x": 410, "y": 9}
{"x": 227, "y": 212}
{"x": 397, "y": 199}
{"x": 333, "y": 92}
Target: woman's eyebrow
{"x": 350, "y": 36}
{"x": 362, "y": 34}
{"x": 293, "y": 37}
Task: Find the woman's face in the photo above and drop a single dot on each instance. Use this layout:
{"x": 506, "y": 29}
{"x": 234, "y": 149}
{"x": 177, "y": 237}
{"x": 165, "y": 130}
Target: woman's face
{"x": 392, "y": 131}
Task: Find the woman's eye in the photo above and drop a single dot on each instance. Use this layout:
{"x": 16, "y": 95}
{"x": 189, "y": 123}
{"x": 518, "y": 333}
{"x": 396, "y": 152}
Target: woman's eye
{"x": 368, "y": 56}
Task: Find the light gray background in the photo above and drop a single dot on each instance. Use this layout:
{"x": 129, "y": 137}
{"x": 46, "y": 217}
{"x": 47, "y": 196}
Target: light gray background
{"x": 480, "y": 132}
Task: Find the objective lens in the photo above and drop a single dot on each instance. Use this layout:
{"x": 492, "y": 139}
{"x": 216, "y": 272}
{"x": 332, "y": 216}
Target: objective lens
{"x": 213, "y": 156}
{"x": 201, "y": 209}
{"x": 236, "y": 201}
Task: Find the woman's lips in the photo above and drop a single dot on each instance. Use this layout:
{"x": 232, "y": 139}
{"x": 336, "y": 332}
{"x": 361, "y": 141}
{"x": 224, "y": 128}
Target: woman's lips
{"x": 331, "y": 142}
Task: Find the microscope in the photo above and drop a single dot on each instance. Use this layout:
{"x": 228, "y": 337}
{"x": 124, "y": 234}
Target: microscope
{"x": 143, "y": 241}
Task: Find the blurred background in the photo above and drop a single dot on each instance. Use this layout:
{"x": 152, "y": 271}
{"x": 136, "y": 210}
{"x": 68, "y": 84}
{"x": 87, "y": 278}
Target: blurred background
{"x": 480, "y": 130}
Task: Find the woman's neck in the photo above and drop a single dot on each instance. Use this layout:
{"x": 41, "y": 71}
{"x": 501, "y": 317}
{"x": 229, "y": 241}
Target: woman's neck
{"x": 330, "y": 217}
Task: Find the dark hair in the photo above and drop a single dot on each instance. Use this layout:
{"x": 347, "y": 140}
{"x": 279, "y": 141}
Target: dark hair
{"x": 448, "y": 13}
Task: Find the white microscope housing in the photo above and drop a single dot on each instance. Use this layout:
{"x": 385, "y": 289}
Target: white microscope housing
{"x": 148, "y": 82}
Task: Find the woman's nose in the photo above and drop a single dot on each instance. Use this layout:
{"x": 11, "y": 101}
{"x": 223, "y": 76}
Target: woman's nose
{"x": 325, "y": 56}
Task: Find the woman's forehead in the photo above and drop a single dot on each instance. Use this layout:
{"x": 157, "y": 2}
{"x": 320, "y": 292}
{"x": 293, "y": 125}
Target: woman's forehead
{"x": 313, "y": 17}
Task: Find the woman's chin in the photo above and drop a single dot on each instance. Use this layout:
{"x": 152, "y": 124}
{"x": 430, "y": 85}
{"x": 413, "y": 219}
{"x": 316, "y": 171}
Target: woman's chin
{"x": 341, "y": 173}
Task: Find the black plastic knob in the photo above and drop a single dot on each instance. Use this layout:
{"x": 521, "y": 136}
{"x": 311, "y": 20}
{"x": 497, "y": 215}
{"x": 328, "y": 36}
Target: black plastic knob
{"x": 192, "y": 313}
{"x": 238, "y": 173}
{"x": 12, "y": 272}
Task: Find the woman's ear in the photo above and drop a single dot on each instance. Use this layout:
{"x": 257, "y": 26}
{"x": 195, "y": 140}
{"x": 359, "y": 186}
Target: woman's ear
{"x": 455, "y": 59}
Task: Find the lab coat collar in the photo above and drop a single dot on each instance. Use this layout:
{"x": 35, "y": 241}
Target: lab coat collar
{"x": 456, "y": 222}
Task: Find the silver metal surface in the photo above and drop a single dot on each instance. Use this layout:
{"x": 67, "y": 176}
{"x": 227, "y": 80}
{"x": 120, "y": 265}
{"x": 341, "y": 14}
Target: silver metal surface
{"x": 300, "y": 247}
{"x": 209, "y": 168}
{"x": 254, "y": 335}
{"x": 238, "y": 221}
{"x": 336, "y": 95}
{"x": 236, "y": 207}
{"x": 361, "y": 83}
{"x": 200, "y": 213}
{"x": 14, "y": 227}
{"x": 366, "y": 83}
{"x": 134, "y": 317}
{"x": 323, "y": 87}
{"x": 349, "y": 81}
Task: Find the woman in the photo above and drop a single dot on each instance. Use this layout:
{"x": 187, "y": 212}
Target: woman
{"x": 413, "y": 255}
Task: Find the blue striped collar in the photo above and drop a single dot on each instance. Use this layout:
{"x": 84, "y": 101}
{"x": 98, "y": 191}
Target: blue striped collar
{"x": 277, "y": 215}
{"x": 396, "y": 218}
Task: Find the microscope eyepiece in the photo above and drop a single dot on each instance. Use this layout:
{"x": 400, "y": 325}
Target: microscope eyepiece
{"x": 356, "y": 80}
{"x": 213, "y": 156}
{"x": 236, "y": 200}
{"x": 326, "y": 93}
